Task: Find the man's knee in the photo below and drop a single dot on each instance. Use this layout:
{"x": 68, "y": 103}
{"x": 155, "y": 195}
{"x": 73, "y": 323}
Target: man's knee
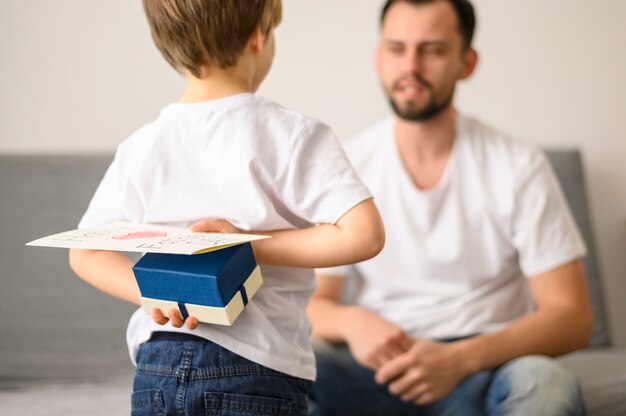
{"x": 539, "y": 372}
{"x": 536, "y": 383}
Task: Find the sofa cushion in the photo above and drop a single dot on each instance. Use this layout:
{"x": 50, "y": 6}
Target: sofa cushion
{"x": 602, "y": 375}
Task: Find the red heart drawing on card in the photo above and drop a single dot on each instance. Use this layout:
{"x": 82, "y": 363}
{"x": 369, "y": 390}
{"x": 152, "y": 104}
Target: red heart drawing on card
{"x": 140, "y": 234}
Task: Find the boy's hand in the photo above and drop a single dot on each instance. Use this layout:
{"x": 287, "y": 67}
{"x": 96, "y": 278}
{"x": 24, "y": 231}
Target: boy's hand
{"x": 214, "y": 226}
{"x": 174, "y": 317}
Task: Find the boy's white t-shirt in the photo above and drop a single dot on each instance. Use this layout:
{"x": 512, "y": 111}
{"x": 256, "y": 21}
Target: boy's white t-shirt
{"x": 456, "y": 256}
{"x": 256, "y": 164}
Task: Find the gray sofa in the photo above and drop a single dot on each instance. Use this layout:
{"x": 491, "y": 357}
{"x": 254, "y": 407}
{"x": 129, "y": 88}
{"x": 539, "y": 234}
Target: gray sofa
{"x": 62, "y": 342}
{"x": 62, "y": 347}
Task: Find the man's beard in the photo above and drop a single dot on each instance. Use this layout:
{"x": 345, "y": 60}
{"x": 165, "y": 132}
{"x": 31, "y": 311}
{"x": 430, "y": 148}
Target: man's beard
{"x": 430, "y": 110}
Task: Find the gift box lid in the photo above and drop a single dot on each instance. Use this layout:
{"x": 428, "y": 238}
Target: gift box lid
{"x": 210, "y": 279}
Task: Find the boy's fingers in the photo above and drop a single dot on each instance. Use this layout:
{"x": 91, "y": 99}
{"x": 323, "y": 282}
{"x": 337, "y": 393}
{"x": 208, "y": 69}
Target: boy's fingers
{"x": 210, "y": 226}
{"x": 157, "y": 316}
{"x": 213, "y": 226}
{"x": 200, "y": 226}
{"x": 192, "y": 323}
{"x": 175, "y": 319}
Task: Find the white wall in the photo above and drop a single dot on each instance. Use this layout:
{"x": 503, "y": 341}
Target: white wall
{"x": 78, "y": 76}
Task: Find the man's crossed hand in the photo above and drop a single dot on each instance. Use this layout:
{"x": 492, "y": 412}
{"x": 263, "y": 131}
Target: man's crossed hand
{"x": 416, "y": 370}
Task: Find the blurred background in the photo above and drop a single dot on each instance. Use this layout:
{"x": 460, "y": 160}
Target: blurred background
{"x": 77, "y": 77}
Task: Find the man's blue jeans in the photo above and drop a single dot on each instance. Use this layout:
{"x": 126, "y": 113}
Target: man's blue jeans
{"x": 532, "y": 385}
{"x": 184, "y": 375}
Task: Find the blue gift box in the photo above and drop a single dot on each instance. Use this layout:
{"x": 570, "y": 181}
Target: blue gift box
{"x": 214, "y": 287}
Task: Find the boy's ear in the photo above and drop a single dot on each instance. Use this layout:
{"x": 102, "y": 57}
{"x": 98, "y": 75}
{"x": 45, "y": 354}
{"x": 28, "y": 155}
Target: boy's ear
{"x": 257, "y": 41}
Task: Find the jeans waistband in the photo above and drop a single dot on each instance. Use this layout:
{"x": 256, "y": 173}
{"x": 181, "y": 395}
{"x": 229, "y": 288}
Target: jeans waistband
{"x": 175, "y": 336}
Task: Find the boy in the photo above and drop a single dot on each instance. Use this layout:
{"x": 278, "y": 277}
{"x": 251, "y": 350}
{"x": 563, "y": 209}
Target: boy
{"x": 221, "y": 152}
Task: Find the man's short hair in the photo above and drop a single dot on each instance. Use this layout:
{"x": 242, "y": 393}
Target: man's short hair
{"x": 464, "y": 11}
{"x": 194, "y": 33}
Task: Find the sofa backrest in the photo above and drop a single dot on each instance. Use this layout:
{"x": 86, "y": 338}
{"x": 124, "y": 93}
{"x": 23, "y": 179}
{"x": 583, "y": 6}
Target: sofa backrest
{"x": 53, "y": 324}
{"x": 568, "y": 167}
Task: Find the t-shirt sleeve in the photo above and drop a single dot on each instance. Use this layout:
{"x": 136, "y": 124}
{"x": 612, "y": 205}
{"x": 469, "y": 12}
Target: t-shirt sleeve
{"x": 544, "y": 231}
{"x": 115, "y": 198}
{"x": 320, "y": 183}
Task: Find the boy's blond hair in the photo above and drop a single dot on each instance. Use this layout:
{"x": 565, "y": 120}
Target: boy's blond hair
{"x": 192, "y": 34}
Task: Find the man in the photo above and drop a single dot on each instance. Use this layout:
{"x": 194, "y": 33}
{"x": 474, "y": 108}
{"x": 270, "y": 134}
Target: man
{"x": 480, "y": 280}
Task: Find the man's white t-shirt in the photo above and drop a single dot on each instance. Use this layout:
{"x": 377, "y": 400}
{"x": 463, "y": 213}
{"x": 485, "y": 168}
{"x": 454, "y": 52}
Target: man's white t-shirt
{"x": 457, "y": 256}
{"x": 251, "y": 162}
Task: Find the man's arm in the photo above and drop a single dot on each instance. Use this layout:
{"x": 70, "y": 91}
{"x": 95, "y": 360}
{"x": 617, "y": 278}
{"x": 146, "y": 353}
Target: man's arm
{"x": 561, "y": 323}
{"x": 371, "y": 339}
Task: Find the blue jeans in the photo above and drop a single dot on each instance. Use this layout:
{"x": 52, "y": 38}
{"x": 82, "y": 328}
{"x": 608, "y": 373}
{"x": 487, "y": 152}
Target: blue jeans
{"x": 179, "y": 374}
{"x": 532, "y": 385}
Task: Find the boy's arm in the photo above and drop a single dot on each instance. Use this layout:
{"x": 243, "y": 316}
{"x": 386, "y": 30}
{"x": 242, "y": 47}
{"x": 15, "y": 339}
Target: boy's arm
{"x": 109, "y": 271}
{"x": 112, "y": 273}
{"x": 357, "y": 236}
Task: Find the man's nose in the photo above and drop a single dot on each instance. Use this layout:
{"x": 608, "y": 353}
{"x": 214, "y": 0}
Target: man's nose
{"x": 412, "y": 62}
